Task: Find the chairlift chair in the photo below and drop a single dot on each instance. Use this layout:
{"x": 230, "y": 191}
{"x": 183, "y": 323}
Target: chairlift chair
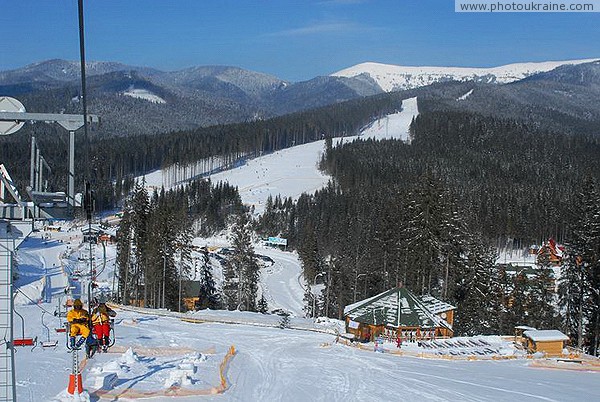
{"x": 61, "y": 314}
{"x": 47, "y": 343}
{"x": 23, "y": 341}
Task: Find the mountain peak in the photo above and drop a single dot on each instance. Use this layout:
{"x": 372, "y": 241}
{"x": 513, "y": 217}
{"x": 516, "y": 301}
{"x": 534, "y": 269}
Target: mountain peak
{"x": 393, "y": 77}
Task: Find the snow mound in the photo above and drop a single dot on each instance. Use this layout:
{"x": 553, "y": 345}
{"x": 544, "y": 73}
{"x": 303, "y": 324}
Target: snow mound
{"x": 178, "y": 377}
{"x": 195, "y": 358}
{"x": 129, "y": 357}
{"x": 64, "y": 396}
{"x": 114, "y": 367}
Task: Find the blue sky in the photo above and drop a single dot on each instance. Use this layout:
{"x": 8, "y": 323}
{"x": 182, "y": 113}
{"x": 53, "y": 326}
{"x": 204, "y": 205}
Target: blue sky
{"x": 291, "y": 39}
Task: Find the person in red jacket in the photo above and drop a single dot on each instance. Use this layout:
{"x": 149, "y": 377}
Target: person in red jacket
{"x": 101, "y": 320}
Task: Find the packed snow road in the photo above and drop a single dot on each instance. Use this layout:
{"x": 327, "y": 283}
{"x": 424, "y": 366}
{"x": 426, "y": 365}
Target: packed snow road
{"x": 282, "y": 281}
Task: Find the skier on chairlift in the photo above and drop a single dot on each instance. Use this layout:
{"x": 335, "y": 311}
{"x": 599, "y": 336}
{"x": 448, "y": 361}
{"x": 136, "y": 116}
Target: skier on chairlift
{"x": 101, "y": 320}
{"x": 78, "y": 319}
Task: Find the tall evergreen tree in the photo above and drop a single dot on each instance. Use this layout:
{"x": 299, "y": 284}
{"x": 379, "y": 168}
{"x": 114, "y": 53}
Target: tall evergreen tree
{"x": 476, "y": 291}
{"x": 580, "y": 281}
{"x": 242, "y": 266}
{"x": 208, "y": 295}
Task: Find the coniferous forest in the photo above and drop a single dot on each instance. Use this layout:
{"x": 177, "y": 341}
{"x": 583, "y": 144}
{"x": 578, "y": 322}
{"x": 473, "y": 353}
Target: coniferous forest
{"x": 429, "y": 215}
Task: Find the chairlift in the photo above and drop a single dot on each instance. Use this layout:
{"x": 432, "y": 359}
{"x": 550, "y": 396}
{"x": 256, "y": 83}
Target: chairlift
{"x": 23, "y": 341}
{"x": 60, "y": 314}
{"x": 47, "y": 343}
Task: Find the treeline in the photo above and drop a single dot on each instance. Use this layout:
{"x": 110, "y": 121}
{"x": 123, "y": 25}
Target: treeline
{"x": 426, "y": 215}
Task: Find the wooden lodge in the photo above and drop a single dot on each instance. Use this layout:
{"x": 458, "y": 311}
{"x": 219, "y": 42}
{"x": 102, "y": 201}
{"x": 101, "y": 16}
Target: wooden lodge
{"x": 552, "y": 252}
{"x": 551, "y": 342}
{"x": 398, "y": 312}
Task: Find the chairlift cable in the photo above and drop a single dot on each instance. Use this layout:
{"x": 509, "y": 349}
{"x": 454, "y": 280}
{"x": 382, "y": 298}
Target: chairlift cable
{"x": 35, "y": 303}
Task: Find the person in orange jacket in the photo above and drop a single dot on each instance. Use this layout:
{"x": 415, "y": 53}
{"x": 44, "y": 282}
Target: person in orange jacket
{"x": 101, "y": 321}
{"x": 78, "y": 319}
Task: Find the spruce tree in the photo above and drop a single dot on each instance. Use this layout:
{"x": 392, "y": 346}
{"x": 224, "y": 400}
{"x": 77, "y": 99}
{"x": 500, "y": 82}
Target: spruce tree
{"x": 475, "y": 291}
{"x": 208, "y": 295}
{"x": 243, "y": 264}
{"x": 262, "y": 306}
{"x": 580, "y": 280}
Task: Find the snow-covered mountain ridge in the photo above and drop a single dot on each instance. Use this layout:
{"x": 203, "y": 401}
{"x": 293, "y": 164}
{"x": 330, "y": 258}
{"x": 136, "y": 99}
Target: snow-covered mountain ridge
{"x": 394, "y": 78}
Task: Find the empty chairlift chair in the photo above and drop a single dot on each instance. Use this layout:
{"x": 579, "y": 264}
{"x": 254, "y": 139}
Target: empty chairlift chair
{"x": 23, "y": 341}
{"x": 47, "y": 343}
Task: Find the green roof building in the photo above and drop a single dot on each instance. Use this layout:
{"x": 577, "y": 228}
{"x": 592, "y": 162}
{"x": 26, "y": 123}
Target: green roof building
{"x": 400, "y": 311}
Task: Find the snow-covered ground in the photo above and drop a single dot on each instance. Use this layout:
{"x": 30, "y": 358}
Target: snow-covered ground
{"x": 394, "y": 126}
{"x": 144, "y": 94}
{"x": 164, "y": 355}
{"x": 288, "y": 172}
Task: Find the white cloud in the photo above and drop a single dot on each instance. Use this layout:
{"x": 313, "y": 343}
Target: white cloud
{"x": 324, "y": 27}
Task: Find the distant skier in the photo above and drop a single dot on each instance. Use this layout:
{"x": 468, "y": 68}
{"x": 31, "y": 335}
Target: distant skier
{"x": 101, "y": 321}
{"x": 78, "y": 319}
{"x": 399, "y": 341}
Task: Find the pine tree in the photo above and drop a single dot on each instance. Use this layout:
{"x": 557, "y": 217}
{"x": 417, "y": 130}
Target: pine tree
{"x": 580, "y": 281}
{"x": 124, "y": 255}
{"x": 244, "y": 265}
{"x": 140, "y": 210}
{"x": 476, "y": 290}
{"x": 542, "y": 311}
{"x": 208, "y": 295}
{"x": 262, "y": 306}
{"x": 284, "y": 322}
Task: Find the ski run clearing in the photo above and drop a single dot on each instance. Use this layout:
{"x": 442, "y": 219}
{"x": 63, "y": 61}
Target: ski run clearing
{"x": 292, "y": 171}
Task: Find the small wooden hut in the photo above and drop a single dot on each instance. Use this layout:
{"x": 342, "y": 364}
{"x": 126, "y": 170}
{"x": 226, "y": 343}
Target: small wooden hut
{"x": 551, "y": 342}
{"x": 398, "y": 312}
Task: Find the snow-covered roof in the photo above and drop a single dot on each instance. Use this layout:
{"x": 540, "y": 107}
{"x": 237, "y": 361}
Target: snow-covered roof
{"x": 397, "y": 307}
{"x": 93, "y": 228}
{"x": 436, "y": 306}
{"x": 525, "y": 327}
{"x": 545, "y": 335}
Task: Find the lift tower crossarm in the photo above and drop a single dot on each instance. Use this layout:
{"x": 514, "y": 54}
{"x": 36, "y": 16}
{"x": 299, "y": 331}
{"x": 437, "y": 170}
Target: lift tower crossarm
{"x": 16, "y": 116}
{"x": 71, "y": 122}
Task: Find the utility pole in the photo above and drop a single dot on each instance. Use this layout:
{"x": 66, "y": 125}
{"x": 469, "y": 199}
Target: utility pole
{"x": 180, "y": 264}
{"x": 314, "y": 296}
{"x": 580, "y": 323}
{"x": 328, "y": 286}
{"x": 164, "y": 278}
